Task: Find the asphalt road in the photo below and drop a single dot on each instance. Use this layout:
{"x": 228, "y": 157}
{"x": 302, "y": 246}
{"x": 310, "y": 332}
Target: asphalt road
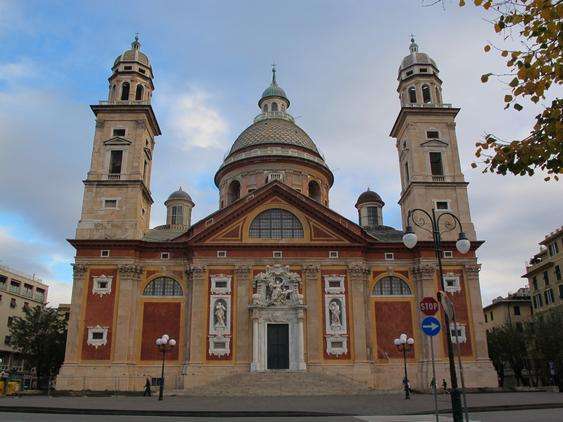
{"x": 539, "y": 415}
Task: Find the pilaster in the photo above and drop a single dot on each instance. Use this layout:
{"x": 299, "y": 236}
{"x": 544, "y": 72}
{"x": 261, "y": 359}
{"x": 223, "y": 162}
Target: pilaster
{"x": 243, "y": 336}
{"x": 358, "y": 278}
{"x": 474, "y": 292}
{"x": 73, "y": 340}
{"x": 314, "y": 313}
{"x": 128, "y": 298}
{"x": 198, "y": 314}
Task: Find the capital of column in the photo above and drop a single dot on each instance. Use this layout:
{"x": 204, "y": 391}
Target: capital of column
{"x": 312, "y": 270}
{"x": 129, "y": 270}
{"x": 242, "y": 271}
{"x": 472, "y": 270}
{"x": 424, "y": 271}
{"x": 78, "y": 270}
{"x": 195, "y": 270}
{"x": 358, "y": 269}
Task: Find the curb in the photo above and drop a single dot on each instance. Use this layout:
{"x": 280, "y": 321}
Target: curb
{"x": 250, "y": 414}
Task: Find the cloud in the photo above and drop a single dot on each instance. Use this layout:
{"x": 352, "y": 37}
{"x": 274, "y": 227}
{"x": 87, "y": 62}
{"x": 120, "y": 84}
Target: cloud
{"x": 17, "y": 70}
{"x": 193, "y": 119}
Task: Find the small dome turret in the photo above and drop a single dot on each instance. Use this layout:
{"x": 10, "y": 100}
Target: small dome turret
{"x": 370, "y": 209}
{"x": 274, "y": 98}
{"x": 179, "y": 209}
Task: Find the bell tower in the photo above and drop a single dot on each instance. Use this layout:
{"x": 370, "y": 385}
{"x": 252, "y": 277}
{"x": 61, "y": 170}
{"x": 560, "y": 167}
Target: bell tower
{"x": 426, "y": 141}
{"x": 117, "y": 198}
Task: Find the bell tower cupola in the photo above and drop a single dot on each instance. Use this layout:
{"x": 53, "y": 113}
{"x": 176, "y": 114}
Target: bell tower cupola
{"x": 131, "y": 79}
{"x": 426, "y": 141}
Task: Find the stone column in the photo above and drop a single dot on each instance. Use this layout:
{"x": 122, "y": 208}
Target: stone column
{"x": 255, "y": 350}
{"x": 474, "y": 291}
{"x": 73, "y": 342}
{"x": 315, "y": 329}
{"x": 242, "y": 336}
{"x": 358, "y": 274}
{"x": 127, "y": 310}
{"x": 198, "y": 329}
{"x": 301, "y": 348}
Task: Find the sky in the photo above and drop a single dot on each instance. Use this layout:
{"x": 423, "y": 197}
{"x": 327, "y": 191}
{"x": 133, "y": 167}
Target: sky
{"x": 337, "y": 60}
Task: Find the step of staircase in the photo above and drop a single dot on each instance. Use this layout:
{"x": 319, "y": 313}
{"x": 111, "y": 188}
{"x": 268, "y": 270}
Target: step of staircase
{"x": 278, "y": 383}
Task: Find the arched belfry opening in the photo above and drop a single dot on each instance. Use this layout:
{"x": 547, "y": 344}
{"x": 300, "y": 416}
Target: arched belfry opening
{"x": 125, "y": 91}
{"x": 234, "y": 191}
{"x": 139, "y": 92}
{"x": 314, "y": 191}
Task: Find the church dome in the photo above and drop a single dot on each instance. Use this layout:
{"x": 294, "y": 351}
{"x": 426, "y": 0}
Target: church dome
{"x": 273, "y": 131}
{"x": 416, "y": 58}
{"x": 134, "y": 54}
{"x": 180, "y": 195}
{"x": 274, "y": 90}
{"x": 369, "y": 196}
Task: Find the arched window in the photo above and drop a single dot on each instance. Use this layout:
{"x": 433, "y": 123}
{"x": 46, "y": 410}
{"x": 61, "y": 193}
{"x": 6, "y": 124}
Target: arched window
{"x": 373, "y": 220}
{"x": 125, "y": 91}
{"x": 412, "y": 94}
{"x": 274, "y": 106}
{"x": 314, "y": 190}
{"x": 234, "y": 191}
{"x": 163, "y": 286}
{"x": 276, "y": 223}
{"x": 391, "y": 286}
{"x": 177, "y": 214}
{"x": 426, "y": 94}
{"x": 265, "y": 108}
{"x": 139, "y": 92}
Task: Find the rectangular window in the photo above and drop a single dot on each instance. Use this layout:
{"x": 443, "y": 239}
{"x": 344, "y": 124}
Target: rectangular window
{"x": 177, "y": 214}
{"x": 141, "y": 70}
{"x": 389, "y": 256}
{"x": 27, "y": 290}
{"x": 221, "y": 254}
{"x": 436, "y": 164}
{"x": 553, "y": 248}
{"x": 165, "y": 255}
{"x": 535, "y": 283}
{"x": 15, "y": 287}
{"x": 110, "y": 203}
{"x": 7, "y": 340}
{"x": 423, "y": 70}
{"x": 128, "y": 67}
{"x": 104, "y": 253}
{"x": 10, "y": 320}
{"x": 3, "y": 280}
{"x": 372, "y": 216}
{"x": 561, "y": 291}
{"x": 13, "y": 303}
{"x": 557, "y": 273}
{"x": 492, "y": 319}
{"x": 516, "y": 310}
{"x": 486, "y": 318}
{"x": 97, "y": 335}
{"x": 549, "y": 297}
{"x": 519, "y": 327}
{"x": 115, "y": 159}
{"x": 432, "y": 134}
{"x": 448, "y": 254}
{"x": 277, "y": 254}
{"x": 546, "y": 278}
{"x": 442, "y": 205}
{"x": 409, "y": 72}
{"x": 119, "y": 132}
{"x": 333, "y": 254}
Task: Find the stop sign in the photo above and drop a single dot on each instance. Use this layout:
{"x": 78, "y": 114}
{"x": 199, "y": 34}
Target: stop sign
{"x": 429, "y": 305}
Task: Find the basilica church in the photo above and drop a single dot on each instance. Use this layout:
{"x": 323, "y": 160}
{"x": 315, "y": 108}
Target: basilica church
{"x": 274, "y": 279}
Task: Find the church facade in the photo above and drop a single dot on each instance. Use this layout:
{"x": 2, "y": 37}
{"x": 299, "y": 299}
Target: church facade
{"x": 274, "y": 279}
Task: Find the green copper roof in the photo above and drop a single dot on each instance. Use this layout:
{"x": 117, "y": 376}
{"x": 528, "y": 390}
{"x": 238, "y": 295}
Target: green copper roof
{"x": 274, "y": 90}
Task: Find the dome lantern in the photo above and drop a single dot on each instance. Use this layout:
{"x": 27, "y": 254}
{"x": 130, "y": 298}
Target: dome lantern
{"x": 274, "y": 99}
{"x": 370, "y": 209}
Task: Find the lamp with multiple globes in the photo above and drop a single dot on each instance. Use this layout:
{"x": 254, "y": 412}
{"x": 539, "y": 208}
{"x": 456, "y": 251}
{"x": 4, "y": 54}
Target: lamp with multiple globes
{"x": 405, "y": 344}
{"x": 164, "y": 344}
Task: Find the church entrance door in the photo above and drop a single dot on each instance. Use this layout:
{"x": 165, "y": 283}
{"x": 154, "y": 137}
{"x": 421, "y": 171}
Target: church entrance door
{"x": 278, "y": 346}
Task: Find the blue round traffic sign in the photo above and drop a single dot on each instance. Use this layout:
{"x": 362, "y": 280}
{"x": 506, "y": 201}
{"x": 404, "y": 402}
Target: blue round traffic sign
{"x": 430, "y": 326}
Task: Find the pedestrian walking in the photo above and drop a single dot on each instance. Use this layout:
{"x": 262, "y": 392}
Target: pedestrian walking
{"x": 445, "y": 386}
{"x": 147, "y": 391}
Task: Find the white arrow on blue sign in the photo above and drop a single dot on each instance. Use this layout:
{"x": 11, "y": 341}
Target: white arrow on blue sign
{"x": 430, "y": 326}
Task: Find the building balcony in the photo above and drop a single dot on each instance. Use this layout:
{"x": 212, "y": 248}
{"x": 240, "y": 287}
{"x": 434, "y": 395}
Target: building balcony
{"x": 15, "y": 289}
{"x": 274, "y": 115}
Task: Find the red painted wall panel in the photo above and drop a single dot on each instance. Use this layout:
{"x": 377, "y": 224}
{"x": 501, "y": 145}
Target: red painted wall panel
{"x": 99, "y": 311}
{"x": 391, "y": 320}
{"x": 160, "y": 318}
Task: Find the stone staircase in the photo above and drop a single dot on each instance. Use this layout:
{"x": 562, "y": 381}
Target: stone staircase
{"x": 278, "y": 383}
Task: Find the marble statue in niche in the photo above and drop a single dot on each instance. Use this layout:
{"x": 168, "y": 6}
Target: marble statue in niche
{"x": 335, "y": 314}
{"x": 220, "y": 313}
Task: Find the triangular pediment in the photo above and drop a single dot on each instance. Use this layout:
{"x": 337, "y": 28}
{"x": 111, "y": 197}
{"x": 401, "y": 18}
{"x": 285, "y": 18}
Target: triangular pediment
{"x": 117, "y": 140}
{"x": 434, "y": 143}
{"x": 231, "y": 224}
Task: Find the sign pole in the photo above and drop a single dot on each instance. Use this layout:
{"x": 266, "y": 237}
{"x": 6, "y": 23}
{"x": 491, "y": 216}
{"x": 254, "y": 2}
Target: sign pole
{"x": 434, "y": 380}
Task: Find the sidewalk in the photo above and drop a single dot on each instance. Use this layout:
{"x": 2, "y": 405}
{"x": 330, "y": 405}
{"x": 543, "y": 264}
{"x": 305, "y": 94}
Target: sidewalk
{"x": 373, "y": 404}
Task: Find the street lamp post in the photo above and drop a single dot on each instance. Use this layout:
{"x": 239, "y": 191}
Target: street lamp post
{"x": 463, "y": 245}
{"x": 404, "y": 345}
{"x": 164, "y": 344}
